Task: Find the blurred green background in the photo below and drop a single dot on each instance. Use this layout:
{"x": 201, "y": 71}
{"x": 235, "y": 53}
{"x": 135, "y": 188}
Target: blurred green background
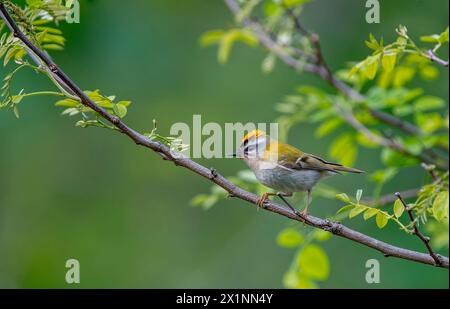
{"x": 123, "y": 212}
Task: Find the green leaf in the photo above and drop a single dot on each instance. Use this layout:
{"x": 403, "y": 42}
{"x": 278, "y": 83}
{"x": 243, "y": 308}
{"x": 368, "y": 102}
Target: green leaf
{"x": 428, "y": 102}
{"x": 199, "y": 199}
{"x": 429, "y": 72}
{"x": 321, "y": 235}
{"x": 124, "y": 103}
{"x": 52, "y": 47}
{"x": 363, "y": 140}
{"x": 313, "y": 262}
{"x": 441, "y": 206}
{"x": 224, "y": 49}
{"x": 384, "y": 175}
{"x": 16, "y": 99}
{"x": 403, "y": 74}
{"x": 40, "y": 22}
{"x": 388, "y": 61}
{"x": 305, "y": 283}
{"x": 399, "y": 208}
{"x": 16, "y": 111}
{"x": 271, "y": 8}
{"x": 247, "y": 37}
{"x": 211, "y": 37}
{"x": 345, "y": 209}
{"x": 67, "y": 103}
{"x": 268, "y": 63}
{"x": 71, "y": 111}
{"x": 35, "y": 4}
{"x": 205, "y": 201}
{"x": 11, "y": 53}
{"x": 359, "y": 195}
{"x": 290, "y": 280}
{"x": 443, "y": 37}
{"x": 381, "y": 219}
{"x": 120, "y": 110}
{"x": 368, "y": 67}
{"x": 228, "y": 39}
{"x": 394, "y": 159}
{"x": 356, "y": 211}
{"x": 369, "y": 213}
{"x": 328, "y": 127}
{"x": 344, "y": 150}
{"x": 292, "y": 3}
{"x": 429, "y": 122}
{"x": 373, "y": 43}
{"x": 290, "y": 238}
{"x": 343, "y": 197}
{"x": 434, "y": 38}
{"x": 371, "y": 67}
{"x": 296, "y": 280}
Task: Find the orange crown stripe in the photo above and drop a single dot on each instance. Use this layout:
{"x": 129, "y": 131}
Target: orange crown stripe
{"x": 254, "y": 133}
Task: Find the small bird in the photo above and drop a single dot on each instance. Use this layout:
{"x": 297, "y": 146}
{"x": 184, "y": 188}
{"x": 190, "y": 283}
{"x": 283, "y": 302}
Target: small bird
{"x": 285, "y": 168}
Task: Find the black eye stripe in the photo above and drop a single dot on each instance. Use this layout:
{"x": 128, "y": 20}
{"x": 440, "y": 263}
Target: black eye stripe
{"x": 246, "y": 149}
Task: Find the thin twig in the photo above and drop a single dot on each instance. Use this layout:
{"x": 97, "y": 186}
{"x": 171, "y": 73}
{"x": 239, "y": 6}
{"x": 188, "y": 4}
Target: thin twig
{"x": 433, "y": 57}
{"x": 424, "y": 239}
{"x": 333, "y": 227}
{"x": 380, "y": 140}
{"x": 312, "y": 37}
{"x": 390, "y": 198}
{"x": 431, "y": 169}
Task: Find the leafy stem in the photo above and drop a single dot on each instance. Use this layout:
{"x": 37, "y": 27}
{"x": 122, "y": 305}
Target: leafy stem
{"x": 416, "y": 231}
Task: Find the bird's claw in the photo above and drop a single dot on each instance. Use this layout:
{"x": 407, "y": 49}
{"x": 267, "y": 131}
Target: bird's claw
{"x": 262, "y": 200}
{"x": 304, "y": 213}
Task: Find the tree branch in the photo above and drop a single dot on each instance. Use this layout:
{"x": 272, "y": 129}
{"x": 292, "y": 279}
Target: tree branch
{"x": 319, "y": 70}
{"x": 424, "y": 239}
{"x": 167, "y": 154}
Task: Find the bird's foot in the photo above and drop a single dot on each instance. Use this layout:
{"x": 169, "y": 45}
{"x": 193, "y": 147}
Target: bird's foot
{"x": 263, "y": 200}
{"x": 304, "y": 213}
{"x": 300, "y": 215}
{"x": 292, "y": 208}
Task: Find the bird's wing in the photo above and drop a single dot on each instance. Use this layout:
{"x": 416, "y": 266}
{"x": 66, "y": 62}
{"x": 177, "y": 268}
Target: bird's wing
{"x": 290, "y": 157}
{"x": 293, "y": 158}
{"x": 309, "y": 161}
{"x": 312, "y": 162}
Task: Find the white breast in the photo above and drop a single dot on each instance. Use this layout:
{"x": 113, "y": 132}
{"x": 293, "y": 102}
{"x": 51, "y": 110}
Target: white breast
{"x": 288, "y": 180}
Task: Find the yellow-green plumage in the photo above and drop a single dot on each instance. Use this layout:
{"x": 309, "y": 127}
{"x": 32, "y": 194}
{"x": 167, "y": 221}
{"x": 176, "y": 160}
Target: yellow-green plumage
{"x": 294, "y": 158}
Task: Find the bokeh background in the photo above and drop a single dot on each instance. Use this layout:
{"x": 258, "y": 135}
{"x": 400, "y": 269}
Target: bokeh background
{"x": 124, "y": 213}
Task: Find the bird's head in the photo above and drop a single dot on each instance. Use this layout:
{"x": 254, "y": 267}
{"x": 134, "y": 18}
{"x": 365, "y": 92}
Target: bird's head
{"x": 253, "y": 145}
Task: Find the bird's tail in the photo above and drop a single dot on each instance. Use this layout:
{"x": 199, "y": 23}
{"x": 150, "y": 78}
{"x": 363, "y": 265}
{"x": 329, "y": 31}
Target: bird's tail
{"x": 340, "y": 168}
